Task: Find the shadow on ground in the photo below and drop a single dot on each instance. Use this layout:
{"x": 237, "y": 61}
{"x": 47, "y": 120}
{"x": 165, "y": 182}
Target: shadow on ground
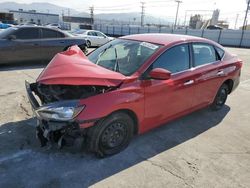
{"x": 24, "y": 164}
{"x": 22, "y": 66}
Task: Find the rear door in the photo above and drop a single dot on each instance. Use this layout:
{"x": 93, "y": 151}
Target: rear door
{"x": 209, "y": 75}
{"x": 166, "y": 99}
{"x": 52, "y": 43}
{"x": 92, "y": 36}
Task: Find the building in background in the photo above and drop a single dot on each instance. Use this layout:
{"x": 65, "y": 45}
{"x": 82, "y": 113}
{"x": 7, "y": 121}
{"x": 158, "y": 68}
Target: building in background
{"x": 78, "y": 22}
{"x": 195, "y": 21}
{"x": 7, "y": 18}
{"x": 247, "y": 27}
{"x": 31, "y": 16}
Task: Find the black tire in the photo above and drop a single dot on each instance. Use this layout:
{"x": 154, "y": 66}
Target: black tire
{"x": 88, "y": 43}
{"x": 220, "y": 98}
{"x": 111, "y": 135}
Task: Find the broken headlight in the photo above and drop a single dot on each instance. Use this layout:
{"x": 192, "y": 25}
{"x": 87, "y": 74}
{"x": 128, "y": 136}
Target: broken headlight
{"x": 60, "y": 111}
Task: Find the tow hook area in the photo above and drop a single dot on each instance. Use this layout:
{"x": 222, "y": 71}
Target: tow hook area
{"x": 60, "y": 134}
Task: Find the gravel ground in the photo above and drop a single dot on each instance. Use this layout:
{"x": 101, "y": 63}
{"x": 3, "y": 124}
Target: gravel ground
{"x": 203, "y": 149}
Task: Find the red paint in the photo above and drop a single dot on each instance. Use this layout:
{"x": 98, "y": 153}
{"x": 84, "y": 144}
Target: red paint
{"x": 72, "y": 67}
{"x": 154, "y": 102}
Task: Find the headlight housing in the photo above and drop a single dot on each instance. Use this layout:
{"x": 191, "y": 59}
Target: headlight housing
{"x": 60, "y": 111}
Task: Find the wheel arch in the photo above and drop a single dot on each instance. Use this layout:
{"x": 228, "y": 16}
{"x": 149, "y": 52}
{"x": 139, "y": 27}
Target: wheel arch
{"x": 229, "y": 83}
{"x": 131, "y": 114}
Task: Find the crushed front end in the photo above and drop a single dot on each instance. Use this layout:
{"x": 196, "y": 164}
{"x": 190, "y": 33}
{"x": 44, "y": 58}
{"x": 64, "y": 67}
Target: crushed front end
{"x": 55, "y": 96}
{"x": 56, "y": 108}
{"x": 56, "y": 121}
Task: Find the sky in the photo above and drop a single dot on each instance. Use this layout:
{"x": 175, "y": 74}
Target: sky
{"x": 159, "y": 8}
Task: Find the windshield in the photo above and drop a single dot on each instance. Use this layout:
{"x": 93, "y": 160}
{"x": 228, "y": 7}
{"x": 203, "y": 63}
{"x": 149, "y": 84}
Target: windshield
{"x": 5, "y": 33}
{"x": 124, "y": 56}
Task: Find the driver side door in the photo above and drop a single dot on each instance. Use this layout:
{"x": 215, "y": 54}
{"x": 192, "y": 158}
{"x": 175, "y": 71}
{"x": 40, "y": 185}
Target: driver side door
{"x": 168, "y": 99}
{"x": 26, "y": 46}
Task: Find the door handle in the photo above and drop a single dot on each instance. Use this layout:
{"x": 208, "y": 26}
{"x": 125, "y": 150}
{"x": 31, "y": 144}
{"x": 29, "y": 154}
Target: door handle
{"x": 220, "y": 73}
{"x": 189, "y": 82}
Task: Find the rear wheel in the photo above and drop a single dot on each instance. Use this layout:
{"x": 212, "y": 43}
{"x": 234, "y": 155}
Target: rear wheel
{"x": 111, "y": 135}
{"x": 220, "y": 98}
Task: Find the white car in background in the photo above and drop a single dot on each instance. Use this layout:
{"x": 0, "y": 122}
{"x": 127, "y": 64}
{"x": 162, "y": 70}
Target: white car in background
{"x": 92, "y": 37}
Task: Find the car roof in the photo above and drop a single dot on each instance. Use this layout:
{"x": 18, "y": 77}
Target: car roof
{"x": 32, "y": 26}
{"x": 164, "y": 39}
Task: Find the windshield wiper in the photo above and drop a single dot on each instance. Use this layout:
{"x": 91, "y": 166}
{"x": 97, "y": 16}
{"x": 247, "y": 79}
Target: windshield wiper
{"x": 100, "y": 55}
{"x": 116, "y": 68}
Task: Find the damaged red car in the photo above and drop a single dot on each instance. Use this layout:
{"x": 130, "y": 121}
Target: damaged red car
{"x": 127, "y": 87}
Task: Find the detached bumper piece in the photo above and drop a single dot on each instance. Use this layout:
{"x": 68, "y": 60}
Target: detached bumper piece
{"x": 60, "y": 133}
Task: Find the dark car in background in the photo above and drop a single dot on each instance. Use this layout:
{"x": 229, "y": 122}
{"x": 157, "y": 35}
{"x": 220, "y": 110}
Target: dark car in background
{"x": 30, "y": 43}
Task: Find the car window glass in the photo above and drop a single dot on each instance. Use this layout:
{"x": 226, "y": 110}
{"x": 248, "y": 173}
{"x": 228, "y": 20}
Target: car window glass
{"x": 130, "y": 55}
{"x": 175, "y": 59}
{"x": 220, "y": 52}
{"x": 47, "y": 33}
{"x": 91, "y": 33}
{"x": 100, "y": 34}
{"x": 203, "y": 54}
{"x": 27, "y": 33}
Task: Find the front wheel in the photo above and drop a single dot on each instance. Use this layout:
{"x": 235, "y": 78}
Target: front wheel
{"x": 220, "y": 98}
{"x": 112, "y": 135}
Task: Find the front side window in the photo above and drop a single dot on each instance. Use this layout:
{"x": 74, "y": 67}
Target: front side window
{"x": 124, "y": 56}
{"x": 176, "y": 59}
{"x": 27, "y": 33}
{"x": 203, "y": 54}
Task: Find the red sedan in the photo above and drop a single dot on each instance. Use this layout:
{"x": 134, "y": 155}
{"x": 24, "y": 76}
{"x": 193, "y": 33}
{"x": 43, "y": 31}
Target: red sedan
{"x": 127, "y": 87}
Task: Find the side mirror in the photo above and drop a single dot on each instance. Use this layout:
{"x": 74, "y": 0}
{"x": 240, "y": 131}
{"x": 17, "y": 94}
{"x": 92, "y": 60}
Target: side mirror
{"x": 12, "y": 37}
{"x": 160, "y": 74}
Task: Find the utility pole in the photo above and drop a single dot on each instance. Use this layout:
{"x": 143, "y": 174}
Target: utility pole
{"x": 176, "y": 17}
{"x": 68, "y": 12}
{"x": 245, "y": 19}
{"x": 142, "y": 13}
{"x": 236, "y": 20}
{"x": 92, "y": 13}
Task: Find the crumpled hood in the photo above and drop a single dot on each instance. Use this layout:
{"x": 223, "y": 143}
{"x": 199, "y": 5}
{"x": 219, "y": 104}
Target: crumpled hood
{"x": 72, "y": 67}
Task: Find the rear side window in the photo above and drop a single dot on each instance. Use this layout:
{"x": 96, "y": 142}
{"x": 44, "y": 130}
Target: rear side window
{"x": 175, "y": 59}
{"x": 47, "y": 33}
{"x": 204, "y": 54}
{"x": 27, "y": 33}
{"x": 220, "y": 52}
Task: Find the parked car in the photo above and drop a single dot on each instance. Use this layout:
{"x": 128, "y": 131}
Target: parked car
{"x": 129, "y": 86}
{"x": 4, "y": 26}
{"x": 92, "y": 37}
{"x": 54, "y": 25}
{"x": 214, "y": 27}
{"x": 29, "y": 43}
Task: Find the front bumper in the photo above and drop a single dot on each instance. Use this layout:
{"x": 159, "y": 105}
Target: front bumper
{"x": 51, "y": 132}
